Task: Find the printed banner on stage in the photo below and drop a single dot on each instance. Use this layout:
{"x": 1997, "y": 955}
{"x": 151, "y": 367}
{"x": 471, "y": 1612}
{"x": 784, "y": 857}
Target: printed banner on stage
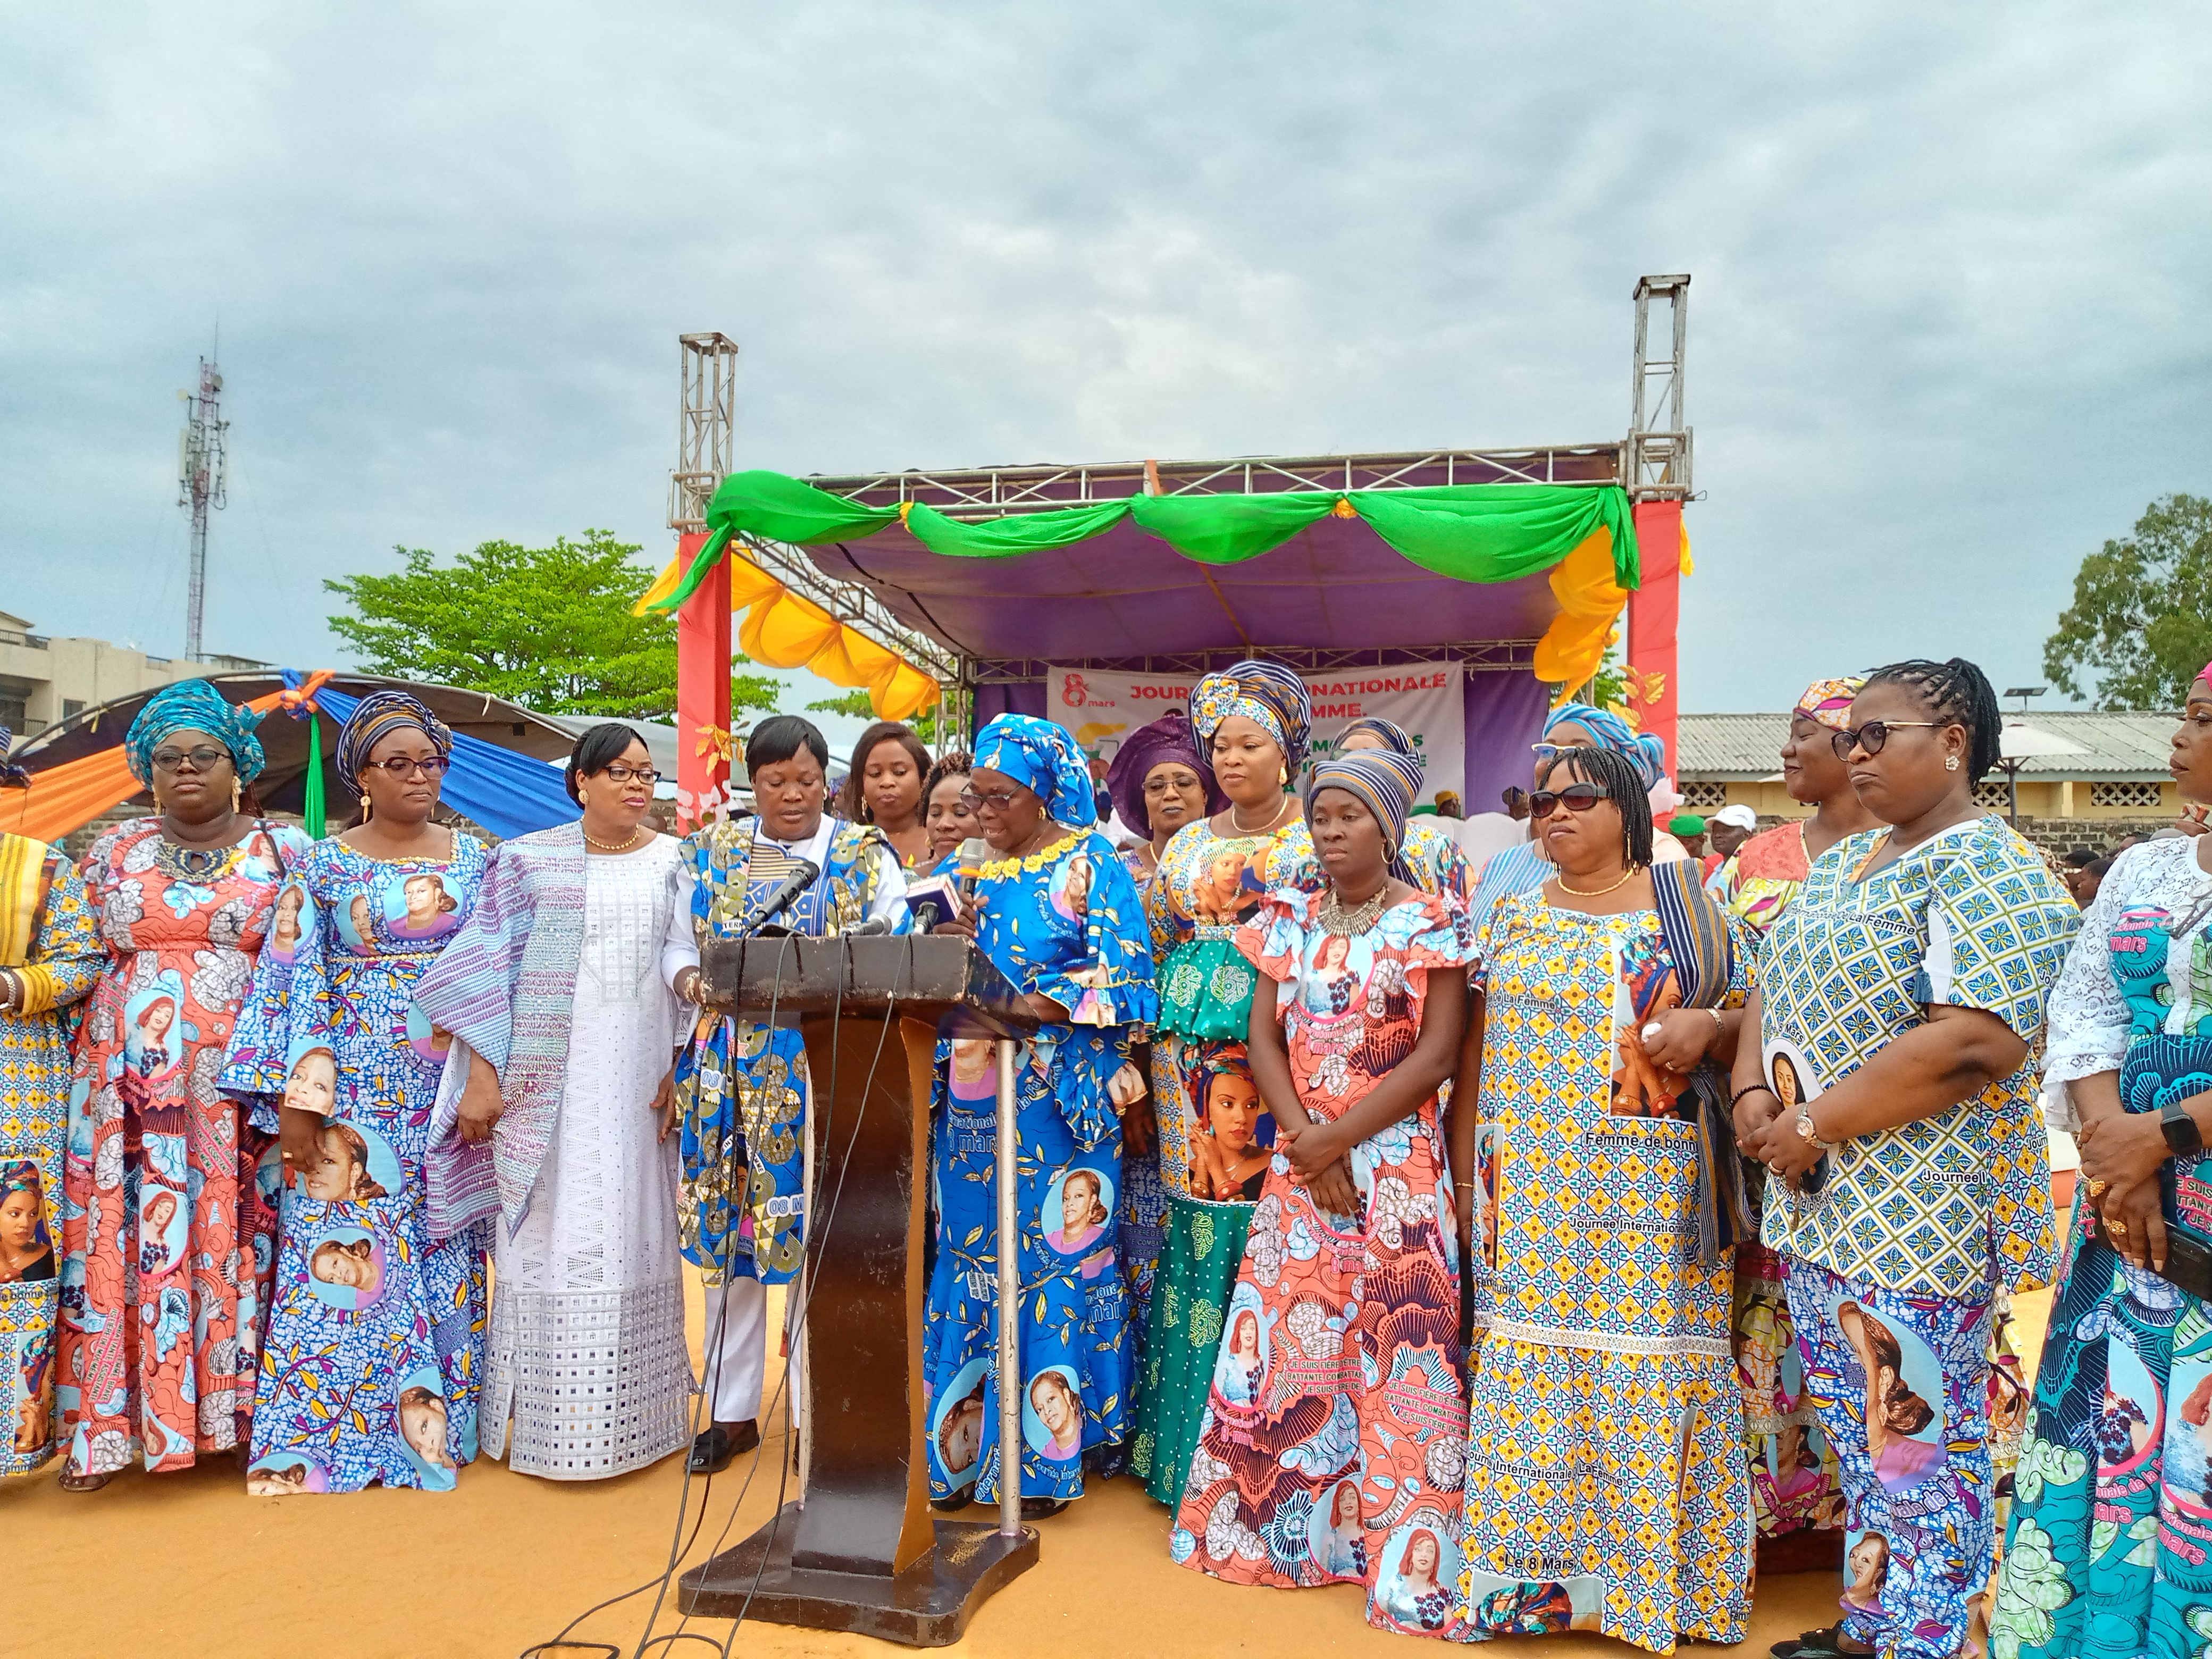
{"x": 1425, "y": 698}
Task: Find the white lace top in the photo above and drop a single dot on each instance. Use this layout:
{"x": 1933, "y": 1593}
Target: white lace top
{"x": 2092, "y": 1018}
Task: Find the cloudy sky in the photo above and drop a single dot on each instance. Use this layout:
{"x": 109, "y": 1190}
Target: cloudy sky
{"x": 1949, "y": 327}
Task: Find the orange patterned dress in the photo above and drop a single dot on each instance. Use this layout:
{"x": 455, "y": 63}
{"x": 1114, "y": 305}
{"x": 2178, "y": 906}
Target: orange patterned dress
{"x": 167, "y": 1232}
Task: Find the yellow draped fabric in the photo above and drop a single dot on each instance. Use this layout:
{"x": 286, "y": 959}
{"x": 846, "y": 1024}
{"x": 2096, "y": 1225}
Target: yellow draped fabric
{"x": 1573, "y": 647}
{"x": 784, "y": 629}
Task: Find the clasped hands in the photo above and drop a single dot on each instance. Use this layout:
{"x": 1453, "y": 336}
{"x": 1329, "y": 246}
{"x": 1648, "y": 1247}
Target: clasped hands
{"x": 1767, "y": 1132}
{"x": 2122, "y": 1153}
{"x": 1316, "y": 1152}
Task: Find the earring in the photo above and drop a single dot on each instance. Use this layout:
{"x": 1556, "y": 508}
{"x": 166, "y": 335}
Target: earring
{"x": 1282, "y": 774}
{"x": 237, "y": 793}
{"x": 584, "y": 798}
{"x": 1950, "y": 763}
{"x": 366, "y": 806}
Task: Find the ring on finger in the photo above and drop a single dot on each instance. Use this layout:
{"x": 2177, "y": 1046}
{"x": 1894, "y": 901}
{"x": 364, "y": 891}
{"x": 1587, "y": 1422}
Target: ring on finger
{"x": 2098, "y": 1188}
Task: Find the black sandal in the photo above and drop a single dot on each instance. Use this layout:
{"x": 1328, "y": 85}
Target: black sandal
{"x": 1042, "y": 1509}
{"x": 1819, "y": 1644}
{"x": 711, "y": 1451}
{"x": 952, "y": 1505}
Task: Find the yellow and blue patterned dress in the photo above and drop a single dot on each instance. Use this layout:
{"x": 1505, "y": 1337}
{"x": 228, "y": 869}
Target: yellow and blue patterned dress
{"x": 51, "y": 941}
{"x": 1606, "y": 1487}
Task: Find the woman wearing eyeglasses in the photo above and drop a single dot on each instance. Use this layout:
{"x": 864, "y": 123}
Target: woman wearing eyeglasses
{"x": 185, "y": 899}
{"x": 339, "y": 1357}
{"x": 1056, "y": 914}
{"x": 1254, "y": 720}
{"x": 1605, "y": 1434}
{"x": 563, "y": 1030}
{"x": 1893, "y": 1098}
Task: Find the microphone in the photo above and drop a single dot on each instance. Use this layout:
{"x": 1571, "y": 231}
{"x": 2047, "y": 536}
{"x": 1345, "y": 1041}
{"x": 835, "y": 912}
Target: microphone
{"x": 868, "y": 929}
{"x": 932, "y": 900}
{"x": 804, "y": 874}
{"x": 973, "y": 853}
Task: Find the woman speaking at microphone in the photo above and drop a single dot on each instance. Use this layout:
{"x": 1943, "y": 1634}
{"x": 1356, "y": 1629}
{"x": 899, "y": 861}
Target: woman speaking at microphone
{"x": 742, "y": 1092}
{"x": 1057, "y": 914}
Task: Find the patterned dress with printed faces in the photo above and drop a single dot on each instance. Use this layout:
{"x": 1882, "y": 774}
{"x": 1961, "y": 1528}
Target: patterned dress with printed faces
{"x": 374, "y": 1356}
{"x": 1333, "y": 1436}
{"x": 1062, "y": 923}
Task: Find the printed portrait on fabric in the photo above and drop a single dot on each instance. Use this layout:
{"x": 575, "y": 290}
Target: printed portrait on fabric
{"x": 1230, "y": 883}
{"x": 351, "y": 1164}
{"x": 420, "y": 1409}
{"x": 1490, "y": 1183}
{"x": 1337, "y": 976}
{"x": 164, "y": 1223}
{"x": 346, "y": 1268}
{"x": 1534, "y": 1606}
{"x": 285, "y": 1474}
{"x": 1240, "y": 1365}
{"x": 1068, "y": 888}
{"x": 26, "y": 1371}
{"x": 1866, "y": 1570}
{"x": 1644, "y": 987}
{"x": 429, "y": 1043}
{"x": 292, "y": 921}
{"x": 311, "y": 1077}
{"x": 1792, "y": 1075}
{"x": 1336, "y": 1535}
{"x": 1418, "y": 1582}
{"x": 1231, "y": 1134}
{"x": 973, "y": 1079}
{"x": 417, "y": 906}
{"x": 1902, "y": 1397}
{"x": 27, "y": 1222}
{"x": 1052, "y": 1414}
{"x": 955, "y": 1425}
{"x": 154, "y": 1035}
{"x": 1076, "y": 1217}
{"x": 357, "y": 923}
{"x": 2187, "y": 1473}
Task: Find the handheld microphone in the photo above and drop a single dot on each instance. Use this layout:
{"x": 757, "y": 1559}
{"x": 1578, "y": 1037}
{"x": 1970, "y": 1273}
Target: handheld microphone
{"x": 804, "y": 874}
{"x": 973, "y": 853}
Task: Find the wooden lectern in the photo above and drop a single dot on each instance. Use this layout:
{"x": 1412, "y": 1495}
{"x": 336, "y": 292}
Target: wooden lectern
{"x": 860, "y": 1551}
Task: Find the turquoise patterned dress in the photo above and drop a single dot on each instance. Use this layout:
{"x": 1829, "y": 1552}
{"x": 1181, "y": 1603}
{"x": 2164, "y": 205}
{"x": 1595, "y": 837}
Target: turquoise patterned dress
{"x": 49, "y": 937}
{"x": 374, "y": 1352}
{"x": 1064, "y": 923}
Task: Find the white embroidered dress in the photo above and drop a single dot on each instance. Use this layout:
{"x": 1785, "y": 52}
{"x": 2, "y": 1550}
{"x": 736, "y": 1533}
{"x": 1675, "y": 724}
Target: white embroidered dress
{"x": 587, "y": 1354}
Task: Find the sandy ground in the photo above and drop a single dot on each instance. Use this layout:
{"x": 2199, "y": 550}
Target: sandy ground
{"x": 186, "y": 1565}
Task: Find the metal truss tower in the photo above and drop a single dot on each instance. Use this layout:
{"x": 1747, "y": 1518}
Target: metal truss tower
{"x": 702, "y": 446}
{"x": 1658, "y": 459}
{"x": 203, "y": 480}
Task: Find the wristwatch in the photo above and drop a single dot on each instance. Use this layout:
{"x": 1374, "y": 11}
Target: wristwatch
{"x": 2182, "y": 1134}
{"x": 1807, "y": 1132}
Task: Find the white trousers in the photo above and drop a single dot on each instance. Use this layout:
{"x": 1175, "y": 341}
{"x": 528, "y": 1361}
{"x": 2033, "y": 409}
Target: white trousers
{"x": 737, "y": 1313}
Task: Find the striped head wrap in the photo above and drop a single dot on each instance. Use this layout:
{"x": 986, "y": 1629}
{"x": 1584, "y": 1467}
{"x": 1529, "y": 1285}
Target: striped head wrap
{"x": 1392, "y": 736}
{"x": 1166, "y": 740}
{"x": 1828, "y": 702}
{"x": 1266, "y": 693}
{"x": 192, "y": 706}
{"x": 376, "y": 717}
{"x": 1042, "y": 757}
{"x": 1386, "y": 782}
{"x": 1643, "y": 748}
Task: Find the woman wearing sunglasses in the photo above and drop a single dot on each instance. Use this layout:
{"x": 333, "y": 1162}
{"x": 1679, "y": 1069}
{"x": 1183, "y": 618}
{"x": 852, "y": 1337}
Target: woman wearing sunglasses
{"x": 1893, "y": 1098}
{"x": 184, "y": 900}
{"x": 1056, "y": 913}
{"x": 352, "y": 993}
{"x": 562, "y": 1029}
{"x": 1609, "y": 999}
{"x": 2107, "y": 1554}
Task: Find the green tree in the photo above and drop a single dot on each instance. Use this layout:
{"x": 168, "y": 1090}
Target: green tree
{"x": 856, "y": 704}
{"x": 549, "y": 627}
{"x": 2139, "y": 627}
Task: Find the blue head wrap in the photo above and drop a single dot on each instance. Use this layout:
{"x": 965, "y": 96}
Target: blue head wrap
{"x": 1040, "y": 757}
{"x": 1266, "y": 693}
{"x": 1386, "y": 781}
{"x": 1613, "y": 732}
{"x": 192, "y": 706}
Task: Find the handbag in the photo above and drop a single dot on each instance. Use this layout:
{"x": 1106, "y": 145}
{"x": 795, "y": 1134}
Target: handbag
{"x": 2155, "y": 1071}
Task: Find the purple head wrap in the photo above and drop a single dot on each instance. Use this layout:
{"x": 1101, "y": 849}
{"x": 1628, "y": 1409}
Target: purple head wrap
{"x": 1167, "y": 739}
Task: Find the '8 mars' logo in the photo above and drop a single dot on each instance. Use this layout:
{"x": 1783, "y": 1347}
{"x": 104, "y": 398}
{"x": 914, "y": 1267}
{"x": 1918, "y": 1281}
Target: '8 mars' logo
{"x": 1072, "y": 691}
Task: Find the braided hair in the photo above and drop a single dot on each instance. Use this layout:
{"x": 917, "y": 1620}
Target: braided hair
{"x": 1624, "y": 787}
{"x": 1956, "y": 693}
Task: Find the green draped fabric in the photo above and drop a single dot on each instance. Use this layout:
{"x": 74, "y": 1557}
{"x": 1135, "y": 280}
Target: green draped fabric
{"x": 1199, "y": 1260}
{"x": 313, "y": 809}
{"x": 1469, "y": 532}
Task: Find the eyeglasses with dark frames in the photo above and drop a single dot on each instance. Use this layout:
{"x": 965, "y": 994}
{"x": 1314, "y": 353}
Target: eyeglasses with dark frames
{"x": 1576, "y": 798}
{"x": 400, "y": 766}
{"x": 1875, "y": 733}
{"x": 622, "y": 772}
{"x": 204, "y": 759}
{"x": 997, "y": 800}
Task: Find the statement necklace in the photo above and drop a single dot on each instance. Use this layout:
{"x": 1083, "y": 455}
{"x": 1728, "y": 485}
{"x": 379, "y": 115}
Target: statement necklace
{"x": 598, "y": 846}
{"x": 1334, "y": 919}
{"x": 1596, "y": 892}
{"x": 174, "y": 858}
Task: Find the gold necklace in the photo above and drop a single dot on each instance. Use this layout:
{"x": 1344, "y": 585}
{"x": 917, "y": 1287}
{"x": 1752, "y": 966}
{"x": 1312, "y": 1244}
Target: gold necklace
{"x": 597, "y": 845}
{"x": 1596, "y": 892}
{"x": 1274, "y": 818}
{"x": 1334, "y": 918}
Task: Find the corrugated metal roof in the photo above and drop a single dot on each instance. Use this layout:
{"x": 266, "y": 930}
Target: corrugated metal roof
{"x": 1743, "y": 747}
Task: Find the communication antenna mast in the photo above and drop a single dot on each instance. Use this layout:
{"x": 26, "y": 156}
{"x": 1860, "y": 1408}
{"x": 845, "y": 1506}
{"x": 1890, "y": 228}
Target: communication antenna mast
{"x": 702, "y": 450}
{"x": 203, "y": 478}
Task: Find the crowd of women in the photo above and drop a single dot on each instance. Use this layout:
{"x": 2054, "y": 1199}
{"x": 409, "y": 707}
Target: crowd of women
{"x": 1545, "y": 1247}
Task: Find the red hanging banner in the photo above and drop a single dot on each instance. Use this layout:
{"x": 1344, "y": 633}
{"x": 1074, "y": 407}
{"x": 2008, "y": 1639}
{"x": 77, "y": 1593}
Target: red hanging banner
{"x": 1653, "y": 611}
{"x": 703, "y": 691}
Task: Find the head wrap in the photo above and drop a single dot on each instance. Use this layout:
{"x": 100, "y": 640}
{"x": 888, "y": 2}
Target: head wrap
{"x": 375, "y": 718}
{"x": 1264, "y": 692}
{"x": 1385, "y": 780}
{"x": 1615, "y": 734}
{"x": 192, "y": 706}
{"x": 1828, "y": 702}
{"x": 1213, "y": 1060}
{"x": 1167, "y": 739}
{"x": 11, "y": 777}
{"x": 1394, "y": 736}
{"x": 1039, "y": 756}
